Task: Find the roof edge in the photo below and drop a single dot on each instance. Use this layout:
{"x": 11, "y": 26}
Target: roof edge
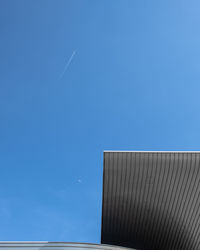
{"x": 149, "y": 151}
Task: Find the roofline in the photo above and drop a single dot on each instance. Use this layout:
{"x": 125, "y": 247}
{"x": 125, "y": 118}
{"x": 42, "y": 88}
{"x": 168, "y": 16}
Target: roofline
{"x": 50, "y": 242}
{"x": 32, "y": 242}
{"x": 61, "y": 244}
{"x": 148, "y": 151}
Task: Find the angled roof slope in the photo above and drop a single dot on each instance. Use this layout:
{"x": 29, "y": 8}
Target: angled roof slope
{"x": 151, "y": 200}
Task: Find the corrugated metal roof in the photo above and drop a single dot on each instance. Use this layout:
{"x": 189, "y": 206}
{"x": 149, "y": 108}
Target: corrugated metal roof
{"x": 151, "y": 200}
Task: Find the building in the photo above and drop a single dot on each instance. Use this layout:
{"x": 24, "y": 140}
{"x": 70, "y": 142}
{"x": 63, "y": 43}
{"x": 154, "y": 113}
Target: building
{"x": 151, "y": 201}
{"x": 54, "y": 246}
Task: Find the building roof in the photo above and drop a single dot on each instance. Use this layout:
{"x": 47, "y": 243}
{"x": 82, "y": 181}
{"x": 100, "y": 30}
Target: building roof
{"x": 151, "y": 200}
{"x": 45, "y": 245}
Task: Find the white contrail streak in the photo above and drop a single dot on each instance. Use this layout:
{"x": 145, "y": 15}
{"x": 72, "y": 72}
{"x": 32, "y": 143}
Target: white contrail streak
{"x": 67, "y": 64}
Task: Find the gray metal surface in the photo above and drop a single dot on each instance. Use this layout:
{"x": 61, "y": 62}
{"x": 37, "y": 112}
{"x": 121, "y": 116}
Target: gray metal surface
{"x": 9, "y": 245}
{"x": 151, "y": 200}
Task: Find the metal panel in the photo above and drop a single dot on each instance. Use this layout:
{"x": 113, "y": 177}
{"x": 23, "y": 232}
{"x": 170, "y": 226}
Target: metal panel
{"x": 151, "y": 200}
{"x": 54, "y": 246}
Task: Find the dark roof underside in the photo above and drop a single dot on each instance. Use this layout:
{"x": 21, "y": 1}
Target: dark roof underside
{"x": 151, "y": 200}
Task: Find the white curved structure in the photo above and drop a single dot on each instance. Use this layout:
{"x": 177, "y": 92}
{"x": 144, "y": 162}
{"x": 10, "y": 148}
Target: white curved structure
{"x": 45, "y": 245}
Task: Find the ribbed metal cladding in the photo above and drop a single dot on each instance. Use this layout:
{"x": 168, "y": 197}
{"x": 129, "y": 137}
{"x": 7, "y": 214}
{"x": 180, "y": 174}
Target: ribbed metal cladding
{"x": 151, "y": 200}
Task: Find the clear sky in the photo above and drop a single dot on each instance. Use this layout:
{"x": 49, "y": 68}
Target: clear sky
{"x": 78, "y": 77}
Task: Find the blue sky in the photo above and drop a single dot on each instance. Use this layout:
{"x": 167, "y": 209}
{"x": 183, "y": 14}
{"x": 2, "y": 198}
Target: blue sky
{"x": 78, "y": 77}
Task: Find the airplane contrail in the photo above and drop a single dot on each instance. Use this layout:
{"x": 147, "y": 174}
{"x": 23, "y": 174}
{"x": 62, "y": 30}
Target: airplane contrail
{"x": 67, "y": 64}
